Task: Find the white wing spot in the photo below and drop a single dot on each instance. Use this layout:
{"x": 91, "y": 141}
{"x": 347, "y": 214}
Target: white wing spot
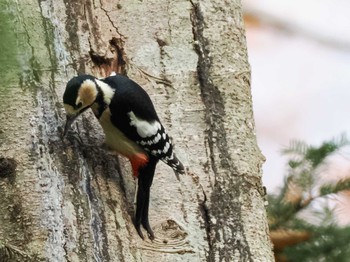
{"x": 157, "y": 138}
{"x": 164, "y": 136}
{"x": 171, "y": 157}
{"x": 166, "y": 147}
{"x": 144, "y": 128}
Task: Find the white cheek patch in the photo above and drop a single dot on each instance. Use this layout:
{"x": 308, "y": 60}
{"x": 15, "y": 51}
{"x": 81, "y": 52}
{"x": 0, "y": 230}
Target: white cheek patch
{"x": 143, "y": 127}
{"x": 107, "y": 90}
{"x": 87, "y": 93}
{"x": 78, "y": 100}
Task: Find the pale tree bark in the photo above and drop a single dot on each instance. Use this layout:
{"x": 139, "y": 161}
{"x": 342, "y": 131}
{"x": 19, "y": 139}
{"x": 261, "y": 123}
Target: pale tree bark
{"x": 70, "y": 200}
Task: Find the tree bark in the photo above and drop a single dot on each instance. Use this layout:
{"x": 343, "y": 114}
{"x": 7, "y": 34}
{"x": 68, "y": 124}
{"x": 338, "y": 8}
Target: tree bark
{"x": 70, "y": 200}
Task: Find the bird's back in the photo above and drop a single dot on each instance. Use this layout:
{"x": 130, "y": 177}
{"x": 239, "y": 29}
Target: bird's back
{"x": 133, "y": 112}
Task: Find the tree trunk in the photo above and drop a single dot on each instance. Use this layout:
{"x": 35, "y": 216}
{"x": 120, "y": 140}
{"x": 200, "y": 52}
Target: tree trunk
{"x": 70, "y": 200}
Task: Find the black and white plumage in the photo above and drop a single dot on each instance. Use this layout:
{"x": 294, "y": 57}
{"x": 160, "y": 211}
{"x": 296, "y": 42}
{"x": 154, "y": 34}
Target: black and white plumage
{"x": 132, "y": 128}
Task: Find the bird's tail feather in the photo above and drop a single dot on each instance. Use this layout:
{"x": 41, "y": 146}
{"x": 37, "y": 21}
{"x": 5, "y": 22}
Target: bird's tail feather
{"x": 175, "y": 164}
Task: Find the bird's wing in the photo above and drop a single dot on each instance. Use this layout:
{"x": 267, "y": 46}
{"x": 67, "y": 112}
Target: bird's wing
{"x": 133, "y": 114}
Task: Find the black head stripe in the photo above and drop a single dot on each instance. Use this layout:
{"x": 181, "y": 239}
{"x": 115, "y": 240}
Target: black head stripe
{"x": 71, "y": 93}
{"x": 100, "y": 101}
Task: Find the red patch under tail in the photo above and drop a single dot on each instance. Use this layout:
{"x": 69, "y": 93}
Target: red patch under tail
{"x": 137, "y": 161}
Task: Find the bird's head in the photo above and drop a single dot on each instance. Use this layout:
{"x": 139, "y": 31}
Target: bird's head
{"x": 80, "y": 94}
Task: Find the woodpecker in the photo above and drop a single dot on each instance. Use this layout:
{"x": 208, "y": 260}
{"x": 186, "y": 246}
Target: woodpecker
{"x": 132, "y": 128}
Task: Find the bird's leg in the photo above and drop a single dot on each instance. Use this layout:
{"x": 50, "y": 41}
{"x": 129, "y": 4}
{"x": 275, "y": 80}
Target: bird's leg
{"x": 144, "y": 219}
{"x": 139, "y": 208}
{"x": 145, "y": 179}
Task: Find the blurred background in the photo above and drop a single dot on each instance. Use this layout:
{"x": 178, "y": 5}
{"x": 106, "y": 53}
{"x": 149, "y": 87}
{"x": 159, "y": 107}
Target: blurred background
{"x": 299, "y": 52}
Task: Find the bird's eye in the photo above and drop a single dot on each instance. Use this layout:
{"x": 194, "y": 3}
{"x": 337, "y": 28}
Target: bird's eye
{"x": 79, "y": 105}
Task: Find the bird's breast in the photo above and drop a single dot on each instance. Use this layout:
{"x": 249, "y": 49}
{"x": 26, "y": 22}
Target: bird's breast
{"x": 115, "y": 139}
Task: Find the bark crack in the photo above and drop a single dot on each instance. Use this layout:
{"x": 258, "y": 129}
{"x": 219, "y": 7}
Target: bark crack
{"x": 169, "y": 17}
{"x": 223, "y": 203}
{"x": 110, "y": 20}
{"x": 206, "y": 217}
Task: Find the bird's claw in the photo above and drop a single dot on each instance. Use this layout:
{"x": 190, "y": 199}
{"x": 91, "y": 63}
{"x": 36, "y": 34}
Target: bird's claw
{"x": 138, "y": 229}
{"x": 147, "y": 227}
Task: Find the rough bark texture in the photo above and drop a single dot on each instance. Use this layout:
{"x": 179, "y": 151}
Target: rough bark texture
{"x": 69, "y": 200}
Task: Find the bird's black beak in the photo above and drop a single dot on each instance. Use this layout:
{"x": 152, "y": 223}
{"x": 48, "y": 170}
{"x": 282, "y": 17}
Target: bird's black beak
{"x": 69, "y": 122}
